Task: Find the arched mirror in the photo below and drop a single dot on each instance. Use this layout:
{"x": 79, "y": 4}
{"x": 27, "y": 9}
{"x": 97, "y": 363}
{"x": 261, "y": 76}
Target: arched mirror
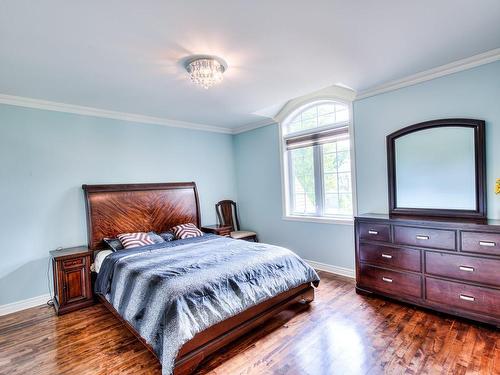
{"x": 437, "y": 168}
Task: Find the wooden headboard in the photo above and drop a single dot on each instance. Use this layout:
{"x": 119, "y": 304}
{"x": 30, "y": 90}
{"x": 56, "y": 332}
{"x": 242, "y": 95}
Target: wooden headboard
{"x": 115, "y": 209}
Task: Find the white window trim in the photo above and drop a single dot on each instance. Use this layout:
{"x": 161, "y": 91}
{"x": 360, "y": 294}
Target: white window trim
{"x": 287, "y": 114}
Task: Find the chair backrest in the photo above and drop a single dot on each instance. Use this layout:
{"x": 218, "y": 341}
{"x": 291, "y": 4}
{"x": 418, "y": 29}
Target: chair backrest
{"x": 227, "y": 213}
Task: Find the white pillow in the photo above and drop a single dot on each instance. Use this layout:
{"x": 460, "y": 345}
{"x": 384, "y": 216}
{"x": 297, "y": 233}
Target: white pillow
{"x": 99, "y": 258}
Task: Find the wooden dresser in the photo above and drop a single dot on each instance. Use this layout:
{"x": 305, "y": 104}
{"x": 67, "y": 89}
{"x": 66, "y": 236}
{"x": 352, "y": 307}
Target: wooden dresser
{"x": 453, "y": 267}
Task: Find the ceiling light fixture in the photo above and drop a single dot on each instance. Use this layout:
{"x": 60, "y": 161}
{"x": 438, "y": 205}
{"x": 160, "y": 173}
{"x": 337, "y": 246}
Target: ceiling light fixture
{"x": 206, "y": 71}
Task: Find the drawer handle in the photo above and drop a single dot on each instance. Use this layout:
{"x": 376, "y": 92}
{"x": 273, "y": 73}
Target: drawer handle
{"x": 386, "y": 279}
{"x": 467, "y": 298}
{"x": 419, "y": 237}
{"x": 466, "y": 268}
{"x": 487, "y": 243}
{"x": 374, "y": 232}
{"x": 386, "y": 256}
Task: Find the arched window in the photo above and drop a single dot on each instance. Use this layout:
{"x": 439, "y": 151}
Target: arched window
{"x": 317, "y": 161}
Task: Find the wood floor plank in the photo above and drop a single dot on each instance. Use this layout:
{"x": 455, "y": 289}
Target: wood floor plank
{"x": 341, "y": 332}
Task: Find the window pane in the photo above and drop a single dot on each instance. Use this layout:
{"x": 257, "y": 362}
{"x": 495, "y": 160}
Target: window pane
{"x": 329, "y": 162}
{"x": 310, "y": 122}
{"x": 295, "y": 125}
{"x": 331, "y": 204}
{"x": 310, "y": 113}
{"x": 343, "y": 161}
{"x": 345, "y": 204}
{"x": 302, "y": 170}
{"x": 331, "y": 183}
{"x": 329, "y": 148}
{"x": 337, "y": 185}
{"x": 324, "y": 109}
{"x": 326, "y": 119}
{"x": 344, "y": 182}
{"x": 323, "y": 114}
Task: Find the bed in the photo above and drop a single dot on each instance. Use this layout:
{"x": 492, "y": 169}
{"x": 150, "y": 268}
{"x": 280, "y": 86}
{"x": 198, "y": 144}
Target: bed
{"x": 185, "y": 300}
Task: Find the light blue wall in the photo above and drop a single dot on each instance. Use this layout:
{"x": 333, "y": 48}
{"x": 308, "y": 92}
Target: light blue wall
{"x": 473, "y": 93}
{"x": 46, "y": 156}
{"x": 258, "y": 176}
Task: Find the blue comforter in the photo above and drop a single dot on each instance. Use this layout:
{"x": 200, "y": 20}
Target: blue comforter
{"x": 171, "y": 291}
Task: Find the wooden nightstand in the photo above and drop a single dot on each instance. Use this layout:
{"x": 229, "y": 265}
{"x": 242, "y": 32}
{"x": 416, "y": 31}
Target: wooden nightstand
{"x": 221, "y": 230}
{"x": 72, "y": 283}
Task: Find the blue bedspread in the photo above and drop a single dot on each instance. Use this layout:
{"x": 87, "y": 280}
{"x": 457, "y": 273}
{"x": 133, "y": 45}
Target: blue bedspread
{"x": 171, "y": 291}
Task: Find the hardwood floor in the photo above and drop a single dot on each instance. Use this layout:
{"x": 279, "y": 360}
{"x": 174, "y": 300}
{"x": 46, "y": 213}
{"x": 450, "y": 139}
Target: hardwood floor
{"x": 341, "y": 333}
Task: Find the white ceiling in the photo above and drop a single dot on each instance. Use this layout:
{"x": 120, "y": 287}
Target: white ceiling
{"x": 124, "y": 55}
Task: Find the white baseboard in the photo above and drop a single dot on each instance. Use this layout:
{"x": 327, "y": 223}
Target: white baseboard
{"x": 24, "y": 304}
{"x": 348, "y": 272}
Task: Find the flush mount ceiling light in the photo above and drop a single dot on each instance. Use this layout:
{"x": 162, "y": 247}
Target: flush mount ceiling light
{"x": 206, "y": 71}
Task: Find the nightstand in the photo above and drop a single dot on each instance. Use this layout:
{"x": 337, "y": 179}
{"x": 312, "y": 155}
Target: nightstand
{"x": 221, "y": 230}
{"x": 72, "y": 284}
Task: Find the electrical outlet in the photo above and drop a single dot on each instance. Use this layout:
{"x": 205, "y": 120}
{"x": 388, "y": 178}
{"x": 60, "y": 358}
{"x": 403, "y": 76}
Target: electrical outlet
{"x": 497, "y": 186}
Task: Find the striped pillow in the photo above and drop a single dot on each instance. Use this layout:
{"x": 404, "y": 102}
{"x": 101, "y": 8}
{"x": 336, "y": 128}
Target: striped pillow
{"x": 131, "y": 240}
{"x": 188, "y": 230}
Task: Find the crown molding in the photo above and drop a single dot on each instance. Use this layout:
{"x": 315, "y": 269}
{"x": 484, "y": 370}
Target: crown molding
{"x": 254, "y": 125}
{"x": 103, "y": 113}
{"x": 427, "y": 75}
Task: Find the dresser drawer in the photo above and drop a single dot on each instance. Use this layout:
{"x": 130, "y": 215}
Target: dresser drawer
{"x": 407, "y": 259}
{"x": 390, "y": 282}
{"x": 425, "y": 237}
{"x": 485, "y": 271}
{"x": 376, "y": 232}
{"x": 480, "y": 242}
{"x": 467, "y": 297}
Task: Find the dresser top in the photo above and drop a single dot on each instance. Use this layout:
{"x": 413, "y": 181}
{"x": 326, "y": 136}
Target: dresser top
{"x": 436, "y": 220}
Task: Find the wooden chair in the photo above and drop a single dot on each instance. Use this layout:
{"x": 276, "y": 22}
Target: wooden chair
{"x": 228, "y": 215}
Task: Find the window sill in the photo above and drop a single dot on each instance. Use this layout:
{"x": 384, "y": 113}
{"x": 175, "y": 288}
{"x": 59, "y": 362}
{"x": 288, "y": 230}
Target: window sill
{"x": 320, "y": 219}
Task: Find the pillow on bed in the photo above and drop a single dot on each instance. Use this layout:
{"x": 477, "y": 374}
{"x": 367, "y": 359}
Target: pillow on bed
{"x": 188, "y": 230}
{"x": 113, "y": 243}
{"x": 167, "y": 236}
{"x": 155, "y": 237}
{"x": 131, "y": 240}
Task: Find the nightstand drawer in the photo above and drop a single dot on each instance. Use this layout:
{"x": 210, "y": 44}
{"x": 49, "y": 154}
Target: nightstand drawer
{"x": 391, "y": 257}
{"x": 73, "y": 263}
{"x": 375, "y": 232}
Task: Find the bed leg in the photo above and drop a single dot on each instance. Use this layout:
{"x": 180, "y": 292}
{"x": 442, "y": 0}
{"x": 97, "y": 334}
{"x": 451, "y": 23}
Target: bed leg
{"x": 307, "y": 296}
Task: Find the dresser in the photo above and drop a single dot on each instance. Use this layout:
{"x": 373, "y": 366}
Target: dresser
{"x": 452, "y": 267}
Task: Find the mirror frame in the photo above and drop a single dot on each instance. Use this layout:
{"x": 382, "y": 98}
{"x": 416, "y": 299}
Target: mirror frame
{"x": 480, "y": 171}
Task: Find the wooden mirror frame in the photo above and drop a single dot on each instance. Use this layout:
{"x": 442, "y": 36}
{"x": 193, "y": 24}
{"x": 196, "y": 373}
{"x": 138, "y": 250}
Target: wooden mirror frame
{"x": 480, "y": 171}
